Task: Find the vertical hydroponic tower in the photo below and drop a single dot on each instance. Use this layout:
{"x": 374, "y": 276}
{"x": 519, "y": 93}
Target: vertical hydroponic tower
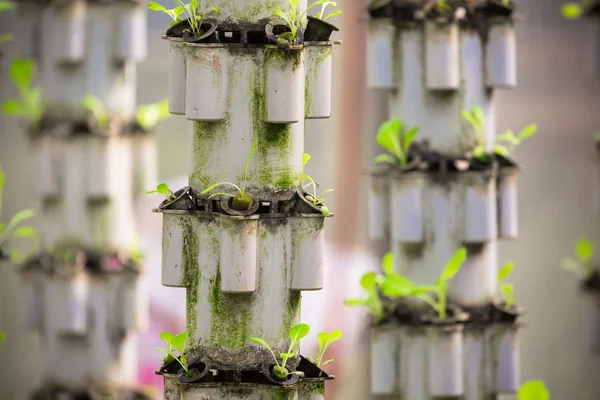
{"x": 82, "y": 292}
{"x": 434, "y": 63}
{"x": 244, "y": 266}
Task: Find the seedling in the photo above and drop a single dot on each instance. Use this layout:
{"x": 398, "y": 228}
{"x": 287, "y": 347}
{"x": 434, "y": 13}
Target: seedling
{"x": 476, "y": 118}
{"x": 13, "y": 230}
{"x": 6, "y": 5}
{"x": 395, "y": 285}
{"x": 443, "y": 6}
{"x": 370, "y": 284}
{"x": 394, "y": 138}
{"x": 190, "y": 11}
{"x": 148, "y": 115}
{"x": 325, "y": 339}
{"x": 324, "y": 5}
{"x": 96, "y": 107}
{"x": 241, "y": 201}
{"x": 533, "y": 390}
{"x": 175, "y": 342}
{"x": 29, "y": 106}
{"x": 163, "y": 189}
{"x": 507, "y": 288}
{"x": 513, "y": 140}
{"x": 315, "y": 199}
{"x": 583, "y": 264}
{"x": 296, "y": 333}
{"x": 575, "y": 10}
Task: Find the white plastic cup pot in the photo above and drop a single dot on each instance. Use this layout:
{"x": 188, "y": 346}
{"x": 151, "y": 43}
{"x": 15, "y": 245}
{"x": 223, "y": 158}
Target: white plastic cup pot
{"x": 107, "y": 158}
{"x": 593, "y": 328}
{"x": 508, "y": 206}
{"x": 442, "y": 55}
{"x": 171, "y": 387}
{"x": 318, "y": 81}
{"x": 407, "y": 217}
{"x": 72, "y": 293}
{"x": 505, "y": 353}
{"x": 177, "y": 74}
{"x": 129, "y": 35}
{"x": 380, "y": 42}
{"x": 32, "y": 300}
{"x": 384, "y": 355}
{"x": 206, "y": 85}
{"x": 445, "y": 360}
{"x": 237, "y": 248}
{"x": 284, "y": 85}
{"x": 133, "y": 308}
{"x": 46, "y": 157}
{"x": 172, "y": 254}
{"x": 378, "y": 204}
{"x": 308, "y": 252}
{"x": 593, "y": 34}
{"x": 480, "y": 210}
{"x": 66, "y": 25}
{"x": 501, "y": 54}
{"x": 311, "y": 389}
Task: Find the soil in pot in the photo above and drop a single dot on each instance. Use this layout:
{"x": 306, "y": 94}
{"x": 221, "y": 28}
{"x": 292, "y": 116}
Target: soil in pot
{"x": 207, "y": 34}
{"x": 381, "y": 9}
{"x": 497, "y": 8}
{"x": 500, "y": 313}
{"x": 198, "y": 373}
{"x": 318, "y": 30}
{"x": 171, "y": 368}
{"x": 267, "y": 370}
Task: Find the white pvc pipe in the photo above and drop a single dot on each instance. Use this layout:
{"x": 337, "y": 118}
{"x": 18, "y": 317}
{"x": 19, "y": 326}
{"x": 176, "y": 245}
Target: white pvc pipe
{"x": 445, "y": 360}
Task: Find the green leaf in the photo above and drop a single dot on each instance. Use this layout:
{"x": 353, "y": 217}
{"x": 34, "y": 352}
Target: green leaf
{"x": 21, "y": 216}
{"x": 506, "y": 270}
{"x": 479, "y": 115}
{"x": 574, "y": 266}
{"x": 178, "y": 341}
{"x": 369, "y": 281}
{"x": 508, "y": 136}
{"x": 454, "y": 264}
{"x": 384, "y": 158}
{"x": 166, "y": 337}
{"x": 326, "y": 362}
{"x": 156, "y": 7}
{"x": 533, "y": 390}
{"x": 528, "y": 131}
{"x": 325, "y": 210}
{"x": 14, "y": 255}
{"x": 163, "y": 189}
{"x": 469, "y": 118}
{"x": 6, "y": 5}
{"x": 287, "y": 355}
{"x": 408, "y": 139}
{"x": 397, "y": 286}
{"x": 2, "y": 337}
{"x": 388, "y": 263}
{"x": 335, "y": 335}
{"x": 283, "y": 16}
{"x": 12, "y": 107}
{"x": 571, "y": 10}
{"x": 323, "y": 339}
{"x": 332, "y": 14}
{"x": 584, "y": 250}
{"x": 305, "y": 159}
{"x": 23, "y": 232}
{"x": 261, "y": 342}
{"x": 502, "y": 150}
{"x": 21, "y": 73}
{"x": 299, "y": 331}
{"x": 354, "y": 302}
{"x": 388, "y": 136}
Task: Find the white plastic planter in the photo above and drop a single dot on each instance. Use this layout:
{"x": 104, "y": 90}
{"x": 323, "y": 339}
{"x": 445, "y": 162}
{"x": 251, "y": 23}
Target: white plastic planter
{"x": 380, "y": 42}
{"x": 177, "y": 73}
{"x": 67, "y": 29}
{"x": 238, "y": 254}
{"x": 284, "y": 85}
{"x": 206, "y": 84}
{"x": 384, "y": 359}
{"x": 46, "y": 157}
{"x": 318, "y": 81}
{"x": 172, "y": 254}
{"x": 505, "y": 353}
{"x": 501, "y": 54}
{"x": 442, "y": 55}
{"x": 171, "y": 388}
{"x": 480, "y": 208}
{"x": 508, "y": 221}
{"x": 593, "y": 33}
{"x": 378, "y": 204}
{"x": 129, "y": 35}
{"x": 445, "y": 360}
{"x": 107, "y": 158}
{"x": 407, "y": 209}
{"x": 593, "y": 327}
{"x": 32, "y": 301}
{"x": 308, "y": 235}
{"x": 72, "y": 297}
{"x": 132, "y": 300}
{"x": 311, "y": 389}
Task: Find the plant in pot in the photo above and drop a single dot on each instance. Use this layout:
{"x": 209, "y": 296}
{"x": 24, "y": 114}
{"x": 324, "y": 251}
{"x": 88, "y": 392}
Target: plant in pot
{"x": 507, "y": 307}
{"x": 575, "y": 10}
{"x": 513, "y": 140}
{"x": 194, "y": 28}
{"x": 393, "y": 137}
{"x": 148, "y": 115}
{"x": 583, "y": 264}
{"x": 293, "y": 19}
{"x": 163, "y": 189}
{"x": 97, "y": 111}
{"x": 4, "y": 6}
{"x": 278, "y": 372}
{"x": 317, "y": 28}
{"x": 240, "y": 201}
{"x": 375, "y": 307}
{"x": 314, "y": 199}
{"x": 476, "y": 118}
{"x": 13, "y": 229}
{"x": 30, "y": 105}
{"x": 325, "y": 340}
{"x": 533, "y": 390}
{"x": 172, "y": 362}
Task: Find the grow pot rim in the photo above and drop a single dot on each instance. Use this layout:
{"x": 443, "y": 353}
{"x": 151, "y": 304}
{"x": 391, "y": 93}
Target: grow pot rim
{"x": 253, "y": 217}
{"x": 210, "y": 45}
{"x": 202, "y": 214}
{"x": 242, "y": 385}
{"x": 292, "y": 380}
{"x": 174, "y": 39}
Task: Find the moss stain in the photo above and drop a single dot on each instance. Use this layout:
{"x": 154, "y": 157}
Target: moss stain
{"x": 191, "y": 273}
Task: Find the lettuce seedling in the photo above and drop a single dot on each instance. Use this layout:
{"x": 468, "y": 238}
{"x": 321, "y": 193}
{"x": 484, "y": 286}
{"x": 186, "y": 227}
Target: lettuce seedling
{"x": 96, "y": 107}
{"x": 174, "y": 13}
{"x": 325, "y": 339}
{"x": 533, "y": 390}
{"x": 296, "y": 333}
{"x": 369, "y": 282}
{"x": 189, "y": 11}
{"x": 175, "y": 342}
{"x": 574, "y": 10}
{"x": 396, "y": 140}
{"x": 29, "y": 106}
{"x": 293, "y": 18}
{"x": 163, "y": 189}
{"x": 513, "y": 140}
{"x": 324, "y": 4}
{"x": 148, "y": 115}
{"x": 395, "y": 285}
{"x": 241, "y": 201}
{"x": 476, "y": 118}
{"x": 4, "y": 6}
{"x": 12, "y": 230}
{"x": 315, "y": 198}
{"x": 507, "y": 288}
{"x": 583, "y": 264}
{"x": 442, "y": 6}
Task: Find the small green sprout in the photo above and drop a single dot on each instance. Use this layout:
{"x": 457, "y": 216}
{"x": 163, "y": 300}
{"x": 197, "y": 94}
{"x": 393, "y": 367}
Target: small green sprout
{"x": 4, "y": 6}
{"x": 241, "y": 201}
{"x": 324, "y": 5}
{"x": 574, "y": 10}
{"x": 370, "y": 284}
{"x": 583, "y": 264}
{"x": 175, "y": 342}
{"x": 396, "y": 140}
{"x": 163, "y": 189}
{"x": 12, "y": 230}
{"x": 476, "y": 118}
{"x": 443, "y": 6}
{"x": 294, "y": 18}
{"x": 395, "y": 285}
{"x": 507, "y": 288}
{"x": 326, "y": 339}
{"x": 296, "y": 333}
{"x": 30, "y": 105}
{"x": 174, "y": 13}
{"x": 148, "y": 115}
{"x": 96, "y": 107}
{"x": 513, "y": 140}
{"x": 533, "y": 390}
{"x": 191, "y": 11}
{"x": 315, "y": 198}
